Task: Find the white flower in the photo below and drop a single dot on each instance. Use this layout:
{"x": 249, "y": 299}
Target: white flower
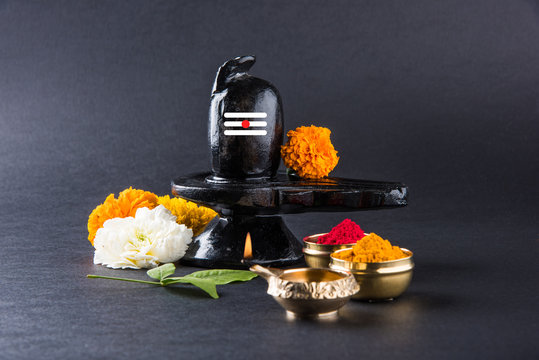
{"x": 150, "y": 238}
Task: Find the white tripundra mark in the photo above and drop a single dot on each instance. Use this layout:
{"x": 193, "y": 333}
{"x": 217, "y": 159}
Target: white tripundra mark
{"x": 245, "y": 124}
{"x": 246, "y": 132}
{"x": 240, "y": 123}
{"x": 246, "y": 115}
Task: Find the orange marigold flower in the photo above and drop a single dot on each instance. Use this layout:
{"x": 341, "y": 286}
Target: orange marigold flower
{"x": 188, "y": 213}
{"x": 126, "y": 205}
{"x": 309, "y": 152}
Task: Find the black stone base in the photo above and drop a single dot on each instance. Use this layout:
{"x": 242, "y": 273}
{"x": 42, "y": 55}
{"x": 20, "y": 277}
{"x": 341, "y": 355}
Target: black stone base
{"x": 253, "y": 206}
{"x": 222, "y": 243}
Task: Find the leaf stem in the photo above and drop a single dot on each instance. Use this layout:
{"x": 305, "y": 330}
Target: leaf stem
{"x": 123, "y": 279}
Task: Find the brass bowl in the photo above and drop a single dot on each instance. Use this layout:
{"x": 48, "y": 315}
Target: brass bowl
{"x": 309, "y": 292}
{"x": 378, "y": 281}
{"x": 317, "y": 255}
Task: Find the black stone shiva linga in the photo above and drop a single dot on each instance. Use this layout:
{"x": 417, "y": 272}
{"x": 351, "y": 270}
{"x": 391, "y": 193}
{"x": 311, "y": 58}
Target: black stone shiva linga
{"x": 245, "y": 134}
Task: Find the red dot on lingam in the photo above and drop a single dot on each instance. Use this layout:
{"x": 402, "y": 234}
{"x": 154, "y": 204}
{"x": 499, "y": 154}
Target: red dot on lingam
{"x": 245, "y": 124}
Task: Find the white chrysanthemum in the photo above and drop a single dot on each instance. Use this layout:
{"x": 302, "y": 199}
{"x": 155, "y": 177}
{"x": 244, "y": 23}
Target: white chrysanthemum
{"x": 150, "y": 238}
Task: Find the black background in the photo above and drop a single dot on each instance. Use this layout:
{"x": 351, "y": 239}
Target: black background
{"x": 441, "y": 95}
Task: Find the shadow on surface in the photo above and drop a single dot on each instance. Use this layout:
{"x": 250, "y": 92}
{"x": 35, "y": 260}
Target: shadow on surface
{"x": 188, "y": 292}
{"x": 408, "y": 308}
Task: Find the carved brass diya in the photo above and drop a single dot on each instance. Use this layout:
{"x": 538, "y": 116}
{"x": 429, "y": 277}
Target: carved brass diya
{"x": 379, "y": 281}
{"x": 308, "y": 292}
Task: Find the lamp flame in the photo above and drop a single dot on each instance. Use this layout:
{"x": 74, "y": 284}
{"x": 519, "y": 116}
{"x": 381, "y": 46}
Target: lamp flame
{"x": 248, "y": 252}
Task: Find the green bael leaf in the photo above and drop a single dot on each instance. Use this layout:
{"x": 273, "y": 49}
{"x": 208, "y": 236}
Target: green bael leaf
{"x": 205, "y": 280}
{"x": 205, "y": 284}
{"x": 223, "y": 276}
{"x": 162, "y": 271}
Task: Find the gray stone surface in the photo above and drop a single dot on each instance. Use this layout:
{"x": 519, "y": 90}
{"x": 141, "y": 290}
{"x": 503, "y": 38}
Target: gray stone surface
{"x": 96, "y": 97}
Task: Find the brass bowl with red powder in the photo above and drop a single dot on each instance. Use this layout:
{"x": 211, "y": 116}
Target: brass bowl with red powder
{"x": 378, "y": 281}
{"x": 317, "y": 255}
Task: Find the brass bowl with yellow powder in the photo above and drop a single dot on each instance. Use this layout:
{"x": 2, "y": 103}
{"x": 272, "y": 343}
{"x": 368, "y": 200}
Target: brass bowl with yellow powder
{"x": 378, "y": 281}
{"x": 317, "y": 255}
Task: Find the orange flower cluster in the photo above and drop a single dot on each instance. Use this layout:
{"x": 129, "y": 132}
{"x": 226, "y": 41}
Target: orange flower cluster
{"x": 309, "y": 152}
{"x": 125, "y": 205}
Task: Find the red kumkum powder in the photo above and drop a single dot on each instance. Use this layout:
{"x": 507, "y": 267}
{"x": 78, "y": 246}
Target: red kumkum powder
{"x": 347, "y": 232}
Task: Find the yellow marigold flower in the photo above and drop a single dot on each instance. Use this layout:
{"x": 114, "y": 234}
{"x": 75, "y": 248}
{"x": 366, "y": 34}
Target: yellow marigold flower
{"x": 188, "y": 213}
{"x": 126, "y": 205}
{"x": 309, "y": 152}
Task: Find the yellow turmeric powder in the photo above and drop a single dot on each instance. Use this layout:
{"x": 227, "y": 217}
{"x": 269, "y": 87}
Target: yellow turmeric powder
{"x": 371, "y": 248}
